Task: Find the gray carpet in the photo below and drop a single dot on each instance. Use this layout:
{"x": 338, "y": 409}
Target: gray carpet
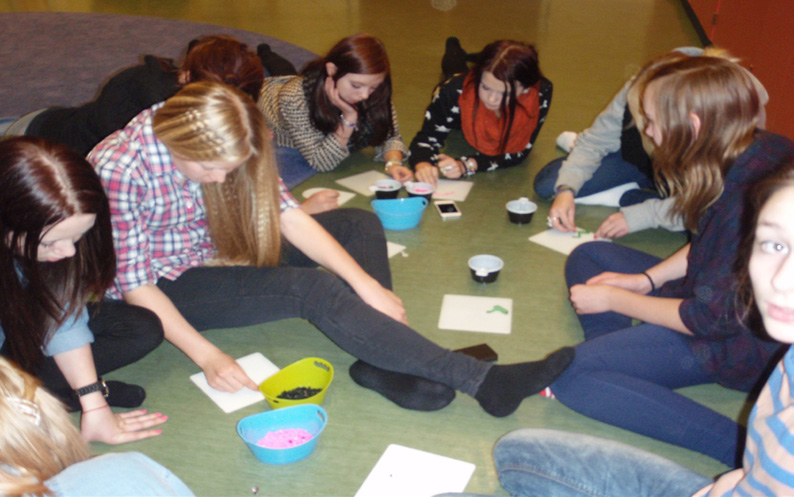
{"x": 57, "y": 58}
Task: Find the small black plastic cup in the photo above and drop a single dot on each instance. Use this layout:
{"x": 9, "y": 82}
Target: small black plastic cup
{"x": 485, "y": 268}
{"x": 520, "y": 211}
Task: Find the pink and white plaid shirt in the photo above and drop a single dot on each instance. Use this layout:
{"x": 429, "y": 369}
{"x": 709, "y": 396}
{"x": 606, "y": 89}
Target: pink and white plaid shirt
{"x": 158, "y": 216}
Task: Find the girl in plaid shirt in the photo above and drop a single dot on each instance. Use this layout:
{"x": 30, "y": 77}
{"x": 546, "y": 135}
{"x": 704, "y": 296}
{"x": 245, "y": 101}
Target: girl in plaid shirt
{"x": 198, "y": 215}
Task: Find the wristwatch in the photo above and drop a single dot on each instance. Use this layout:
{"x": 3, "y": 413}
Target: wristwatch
{"x": 99, "y": 386}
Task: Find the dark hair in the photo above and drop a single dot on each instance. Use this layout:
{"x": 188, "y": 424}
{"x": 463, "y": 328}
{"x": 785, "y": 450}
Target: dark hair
{"x": 357, "y": 54}
{"x": 45, "y": 183}
{"x": 510, "y": 62}
{"x": 760, "y": 193}
{"x": 224, "y": 59}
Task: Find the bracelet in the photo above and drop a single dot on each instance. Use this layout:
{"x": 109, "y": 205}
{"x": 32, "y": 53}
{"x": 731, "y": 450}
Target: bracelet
{"x": 97, "y": 408}
{"x": 653, "y": 286}
{"x": 346, "y": 122}
{"x": 566, "y": 188}
{"x": 470, "y": 168}
{"x": 392, "y": 163}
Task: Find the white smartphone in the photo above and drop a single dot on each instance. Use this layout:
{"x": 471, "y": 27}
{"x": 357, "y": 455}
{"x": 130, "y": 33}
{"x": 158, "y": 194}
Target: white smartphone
{"x": 447, "y": 209}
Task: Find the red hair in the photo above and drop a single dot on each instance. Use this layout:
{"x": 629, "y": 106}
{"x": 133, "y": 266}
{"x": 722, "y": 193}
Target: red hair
{"x": 224, "y": 59}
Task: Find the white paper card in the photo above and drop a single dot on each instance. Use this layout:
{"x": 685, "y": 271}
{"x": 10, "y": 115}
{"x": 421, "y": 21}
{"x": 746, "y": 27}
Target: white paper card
{"x": 564, "y": 242}
{"x": 469, "y": 313}
{"x": 256, "y": 366}
{"x": 394, "y": 249}
{"x": 361, "y": 182}
{"x": 341, "y": 199}
{"x": 403, "y": 471}
{"x": 609, "y": 198}
{"x": 449, "y": 189}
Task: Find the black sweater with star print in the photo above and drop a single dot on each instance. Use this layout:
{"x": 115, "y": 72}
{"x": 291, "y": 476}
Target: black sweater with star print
{"x": 443, "y": 116}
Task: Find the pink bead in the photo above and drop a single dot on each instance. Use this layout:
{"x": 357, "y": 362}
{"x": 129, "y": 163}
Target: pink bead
{"x": 284, "y": 439}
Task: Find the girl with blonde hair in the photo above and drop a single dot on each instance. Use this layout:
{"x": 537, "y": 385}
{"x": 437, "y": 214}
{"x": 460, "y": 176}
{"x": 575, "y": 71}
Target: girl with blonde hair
{"x": 701, "y": 113}
{"x": 41, "y": 453}
{"x": 198, "y": 214}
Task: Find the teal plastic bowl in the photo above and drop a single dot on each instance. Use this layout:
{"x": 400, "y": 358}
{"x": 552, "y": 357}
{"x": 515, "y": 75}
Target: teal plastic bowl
{"x": 309, "y": 417}
{"x": 400, "y": 213}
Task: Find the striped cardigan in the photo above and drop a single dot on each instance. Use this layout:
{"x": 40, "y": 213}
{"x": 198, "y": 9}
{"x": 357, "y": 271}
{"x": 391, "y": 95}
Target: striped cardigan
{"x": 286, "y": 110}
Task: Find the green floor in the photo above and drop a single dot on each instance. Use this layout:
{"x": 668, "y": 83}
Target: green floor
{"x": 587, "y": 48}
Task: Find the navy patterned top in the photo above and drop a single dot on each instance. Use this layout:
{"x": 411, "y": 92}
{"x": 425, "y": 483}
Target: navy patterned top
{"x": 723, "y": 344}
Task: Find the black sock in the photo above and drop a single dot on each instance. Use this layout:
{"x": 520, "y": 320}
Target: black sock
{"x": 504, "y": 387}
{"x": 405, "y": 390}
{"x": 275, "y": 64}
{"x": 454, "y": 60}
{"x": 119, "y": 395}
{"x": 125, "y": 394}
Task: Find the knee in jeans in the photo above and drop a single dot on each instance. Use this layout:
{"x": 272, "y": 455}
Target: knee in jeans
{"x": 580, "y": 254}
{"x": 362, "y": 221}
{"x": 150, "y": 329}
{"x": 546, "y": 179}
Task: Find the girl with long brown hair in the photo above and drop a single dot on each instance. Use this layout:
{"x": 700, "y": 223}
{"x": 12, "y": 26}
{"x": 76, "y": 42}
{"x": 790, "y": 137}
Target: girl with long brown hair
{"x": 56, "y": 257}
{"x": 199, "y": 212}
{"x": 340, "y": 103}
{"x": 701, "y": 113}
{"x": 500, "y": 105}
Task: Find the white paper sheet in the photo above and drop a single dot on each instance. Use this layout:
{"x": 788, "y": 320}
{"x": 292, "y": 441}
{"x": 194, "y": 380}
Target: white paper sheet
{"x": 564, "y": 242}
{"x": 403, "y": 471}
{"x": 609, "y": 198}
{"x": 341, "y": 199}
{"x": 361, "y": 182}
{"x": 483, "y": 314}
{"x": 448, "y": 189}
{"x": 394, "y": 249}
{"x": 257, "y": 367}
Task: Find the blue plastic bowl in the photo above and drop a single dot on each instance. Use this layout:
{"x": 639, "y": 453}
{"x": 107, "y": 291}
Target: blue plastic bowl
{"x": 400, "y": 213}
{"x": 309, "y": 417}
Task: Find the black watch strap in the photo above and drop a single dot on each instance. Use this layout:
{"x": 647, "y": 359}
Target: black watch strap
{"x": 99, "y": 386}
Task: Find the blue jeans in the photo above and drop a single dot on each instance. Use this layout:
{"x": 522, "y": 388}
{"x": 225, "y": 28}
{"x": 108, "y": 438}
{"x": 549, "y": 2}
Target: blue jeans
{"x": 626, "y": 375}
{"x": 612, "y": 172}
{"x": 549, "y": 463}
{"x": 224, "y": 297}
{"x": 292, "y": 167}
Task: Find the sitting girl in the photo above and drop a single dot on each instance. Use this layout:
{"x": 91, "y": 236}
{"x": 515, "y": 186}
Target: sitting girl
{"x": 613, "y": 152}
{"x": 57, "y": 254}
{"x": 534, "y": 462}
{"x": 199, "y": 213}
{"x": 499, "y": 105}
{"x": 701, "y": 113}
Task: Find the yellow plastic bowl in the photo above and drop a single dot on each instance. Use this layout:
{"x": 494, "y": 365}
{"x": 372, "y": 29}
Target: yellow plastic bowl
{"x": 311, "y": 372}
